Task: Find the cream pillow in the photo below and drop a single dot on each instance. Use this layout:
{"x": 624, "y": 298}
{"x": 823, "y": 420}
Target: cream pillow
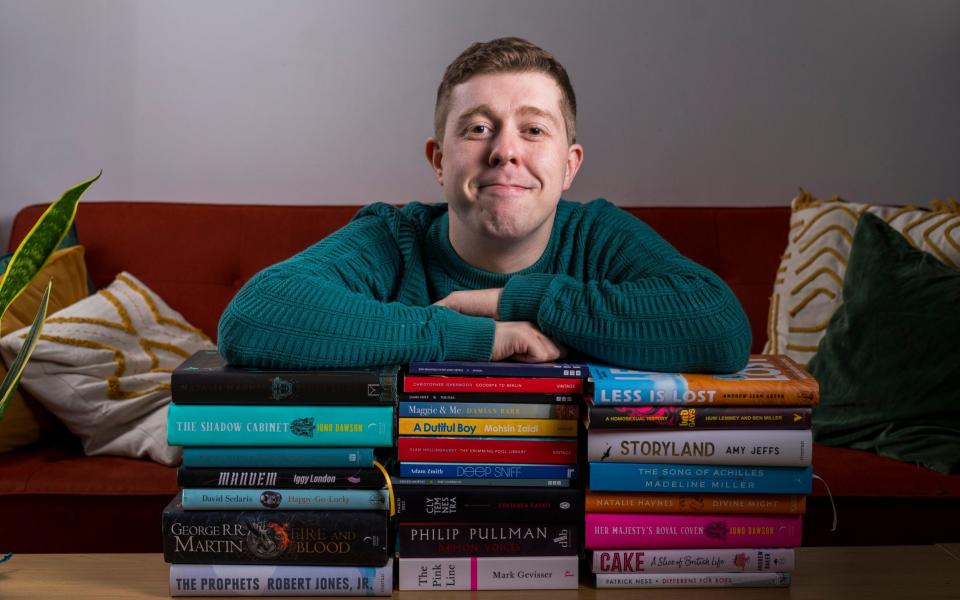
{"x": 103, "y": 365}
{"x": 809, "y": 283}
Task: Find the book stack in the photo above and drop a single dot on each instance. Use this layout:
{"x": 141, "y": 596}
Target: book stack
{"x": 698, "y": 480}
{"x": 282, "y": 495}
{"x": 487, "y": 453}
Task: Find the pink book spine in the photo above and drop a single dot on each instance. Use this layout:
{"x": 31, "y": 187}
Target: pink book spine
{"x": 610, "y": 531}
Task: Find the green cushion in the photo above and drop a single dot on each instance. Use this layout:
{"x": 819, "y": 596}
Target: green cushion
{"x": 889, "y": 364}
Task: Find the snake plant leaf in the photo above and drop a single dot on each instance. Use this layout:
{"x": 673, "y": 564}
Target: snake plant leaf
{"x": 9, "y": 385}
{"x": 39, "y": 244}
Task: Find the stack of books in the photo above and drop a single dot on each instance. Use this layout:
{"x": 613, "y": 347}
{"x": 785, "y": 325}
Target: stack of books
{"x": 282, "y": 494}
{"x": 487, "y": 453}
{"x": 698, "y": 480}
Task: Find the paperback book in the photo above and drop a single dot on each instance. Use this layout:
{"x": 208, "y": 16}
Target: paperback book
{"x": 485, "y": 504}
{"x": 442, "y": 470}
{"x": 480, "y": 482}
{"x": 280, "y": 580}
{"x": 717, "y": 560}
{"x": 688, "y": 580}
{"x": 302, "y": 456}
{"x": 487, "y": 449}
{"x": 714, "y": 479}
{"x": 489, "y": 427}
{"x": 279, "y": 477}
{"x": 500, "y": 385}
{"x": 205, "y": 378}
{"x": 489, "y": 573}
{"x": 697, "y": 417}
{"x": 626, "y": 502}
{"x": 280, "y": 499}
{"x": 432, "y": 540}
{"x": 606, "y": 531}
{"x": 499, "y": 369}
{"x": 465, "y": 397}
{"x": 488, "y": 410}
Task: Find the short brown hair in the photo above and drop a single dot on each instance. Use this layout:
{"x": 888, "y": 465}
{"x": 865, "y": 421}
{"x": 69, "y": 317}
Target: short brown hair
{"x": 505, "y": 55}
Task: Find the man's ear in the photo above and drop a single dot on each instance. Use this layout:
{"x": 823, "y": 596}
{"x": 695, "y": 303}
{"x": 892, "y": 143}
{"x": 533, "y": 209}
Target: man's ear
{"x": 574, "y": 160}
{"x": 435, "y": 158}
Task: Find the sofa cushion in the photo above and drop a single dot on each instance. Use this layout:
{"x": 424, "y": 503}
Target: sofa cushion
{"x": 103, "y": 367}
{"x": 887, "y": 366}
{"x": 809, "y": 284}
{"x": 26, "y": 421}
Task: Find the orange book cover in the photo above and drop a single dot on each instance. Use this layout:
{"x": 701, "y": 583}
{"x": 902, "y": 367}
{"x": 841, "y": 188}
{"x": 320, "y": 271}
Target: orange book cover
{"x": 768, "y": 379}
{"x": 615, "y": 502}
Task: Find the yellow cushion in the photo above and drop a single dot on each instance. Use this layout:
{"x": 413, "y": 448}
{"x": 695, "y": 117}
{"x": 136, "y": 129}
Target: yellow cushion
{"x": 809, "y": 284}
{"x": 26, "y": 420}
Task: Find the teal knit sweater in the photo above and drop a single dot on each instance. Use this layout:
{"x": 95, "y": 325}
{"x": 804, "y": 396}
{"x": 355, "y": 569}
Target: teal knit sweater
{"x": 606, "y": 285}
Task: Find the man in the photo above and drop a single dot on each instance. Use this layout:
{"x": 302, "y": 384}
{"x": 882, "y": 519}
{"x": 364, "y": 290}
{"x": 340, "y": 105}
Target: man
{"x": 505, "y": 270}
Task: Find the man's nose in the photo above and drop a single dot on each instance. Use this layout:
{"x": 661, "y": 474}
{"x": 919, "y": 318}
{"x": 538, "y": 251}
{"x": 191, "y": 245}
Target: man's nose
{"x": 505, "y": 149}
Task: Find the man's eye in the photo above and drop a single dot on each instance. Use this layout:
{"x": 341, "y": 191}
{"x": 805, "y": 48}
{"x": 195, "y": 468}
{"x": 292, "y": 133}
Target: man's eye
{"x": 535, "y": 131}
{"x": 479, "y": 129}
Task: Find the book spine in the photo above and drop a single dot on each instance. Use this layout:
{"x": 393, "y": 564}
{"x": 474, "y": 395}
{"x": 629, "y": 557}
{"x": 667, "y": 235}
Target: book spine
{"x": 499, "y": 369}
{"x": 500, "y": 385}
{"x": 460, "y": 482}
{"x": 273, "y": 499}
{"x": 224, "y": 425}
{"x": 697, "y": 417}
{"x": 427, "y": 503}
{"x": 608, "y": 531}
{"x": 488, "y": 410}
{"x": 766, "y": 380}
{"x": 280, "y": 580}
{"x": 357, "y": 537}
{"x": 432, "y": 540}
{"x": 283, "y": 478}
{"x": 241, "y": 386}
{"x": 489, "y": 427}
{"x": 629, "y": 477}
{"x": 469, "y": 397}
{"x": 277, "y": 457}
{"x": 693, "y": 580}
{"x": 719, "y": 560}
{"x": 733, "y": 447}
{"x": 490, "y": 450}
{"x": 487, "y": 471}
{"x": 488, "y": 573}
{"x": 607, "y": 502}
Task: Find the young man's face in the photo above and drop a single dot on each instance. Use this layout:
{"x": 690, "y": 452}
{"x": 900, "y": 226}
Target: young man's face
{"x": 505, "y": 158}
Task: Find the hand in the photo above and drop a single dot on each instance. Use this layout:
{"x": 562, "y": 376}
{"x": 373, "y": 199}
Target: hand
{"x": 524, "y": 342}
{"x": 479, "y": 303}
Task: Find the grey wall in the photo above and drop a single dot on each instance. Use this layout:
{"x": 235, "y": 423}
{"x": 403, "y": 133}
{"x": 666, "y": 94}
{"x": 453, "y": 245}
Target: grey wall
{"x": 681, "y": 101}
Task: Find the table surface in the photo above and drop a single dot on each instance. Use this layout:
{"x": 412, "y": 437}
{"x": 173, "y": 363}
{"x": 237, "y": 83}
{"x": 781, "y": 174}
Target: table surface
{"x": 873, "y": 573}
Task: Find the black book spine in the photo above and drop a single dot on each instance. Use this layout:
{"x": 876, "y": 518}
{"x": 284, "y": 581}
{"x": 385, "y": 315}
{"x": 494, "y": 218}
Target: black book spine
{"x": 297, "y": 537}
{"x": 481, "y": 397}
{"x": 433, "y": 540}
{"x": 698, "y": 417}
{"x": 279, "y": 478}
{"x": 481, "y": 505}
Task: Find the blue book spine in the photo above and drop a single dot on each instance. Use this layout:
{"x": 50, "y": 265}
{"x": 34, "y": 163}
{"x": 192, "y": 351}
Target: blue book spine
{"x": 198, "y": 456}
{"x": 254, "y": 499}
{"x": 635, "y": 477}
{"x": 486, "y": 471}
{"x": 499, "y": 369}
{"x": 488, "y": 410}
{"x": 257, "y": 425}
{"x": 280, "y": 580}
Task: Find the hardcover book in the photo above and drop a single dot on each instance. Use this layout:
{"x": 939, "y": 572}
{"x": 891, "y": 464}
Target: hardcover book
{"x": 255, "y": 425}
{"x": 205, "y": 378}
{"x": 766, "y": 380}
{"x": 721, "y": 447}
{"x": 697, "y": 417}
{"x": 489, "y": 573}
{"x": 718, "y": 560}
{"x": 480, "y": 482}
{"x": 488, "y": 410}
{"x": 712, "y": 479}
{"x": 499, "y": 369}
{"x": 462, "y": 397}
{"x": 284, "y": 478}
{"x": 606, "y": 531}
{"x": 485, "y": 504}
{"x": 280, "y": 580}
{"x": 200, "y": 456}
{"x": 432, "y": 540}
{"x": 489, "y": 427}
{"x": 549, "y": 451}
{"x": 499, "y": 385}
{"x": 442, "y": 470}
{"x": 279, "y": 499}
{"x": 305, "y": 537}
{"x": 626, "y": 502}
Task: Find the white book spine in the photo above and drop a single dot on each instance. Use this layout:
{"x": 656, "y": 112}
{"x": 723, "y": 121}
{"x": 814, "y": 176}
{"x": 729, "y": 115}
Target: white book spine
{"x": 280, "y": 580}
{"x": 723, "y": 560}
{"x": 685, "y": 580}
{"x": 489, "y": 573}
{"x": 760, "y": 447}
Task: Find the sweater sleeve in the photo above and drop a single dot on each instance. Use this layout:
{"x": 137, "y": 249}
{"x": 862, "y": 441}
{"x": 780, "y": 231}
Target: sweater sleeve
{"x": 333, "y": 305}
{"x": 641, "y": 304}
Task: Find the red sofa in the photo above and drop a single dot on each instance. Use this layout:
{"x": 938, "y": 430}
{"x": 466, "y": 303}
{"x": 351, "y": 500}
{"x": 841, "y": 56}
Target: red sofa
{"x": 196, "y": 256}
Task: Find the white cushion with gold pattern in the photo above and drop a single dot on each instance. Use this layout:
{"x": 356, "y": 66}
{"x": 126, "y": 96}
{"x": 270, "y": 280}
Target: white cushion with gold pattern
{"x": 809, "y": 283}
{"x": 103, "y": 366}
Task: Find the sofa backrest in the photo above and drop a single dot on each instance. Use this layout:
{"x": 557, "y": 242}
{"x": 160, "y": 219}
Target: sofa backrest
{"x": 196, "y": 256}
